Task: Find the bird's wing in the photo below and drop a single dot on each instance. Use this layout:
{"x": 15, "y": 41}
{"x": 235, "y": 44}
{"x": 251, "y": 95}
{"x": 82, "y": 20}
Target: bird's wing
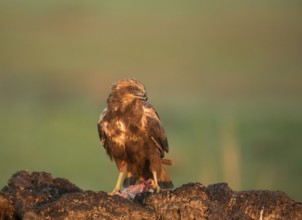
{"x": 99, "y": 125}
{"x": 101, "y": 135}
{"x": 101, "y": 132}
{"x": 155, "y": 129}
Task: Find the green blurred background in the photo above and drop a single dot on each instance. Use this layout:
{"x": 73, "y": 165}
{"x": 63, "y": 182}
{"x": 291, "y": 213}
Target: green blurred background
{"x": 225, "y": 77}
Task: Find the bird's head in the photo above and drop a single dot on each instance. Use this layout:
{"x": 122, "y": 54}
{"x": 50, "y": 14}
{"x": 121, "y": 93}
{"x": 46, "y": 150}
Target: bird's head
{"x": 129, "y": 90}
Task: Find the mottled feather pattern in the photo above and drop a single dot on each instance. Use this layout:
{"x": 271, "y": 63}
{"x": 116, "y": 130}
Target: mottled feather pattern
{"x": 132, "y": 134}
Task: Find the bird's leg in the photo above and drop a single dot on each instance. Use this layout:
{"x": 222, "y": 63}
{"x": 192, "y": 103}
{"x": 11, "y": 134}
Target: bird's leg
{"x": 118, "y": 183}
{"x": 119, "y": 179}
{"x": 157, "y": 188}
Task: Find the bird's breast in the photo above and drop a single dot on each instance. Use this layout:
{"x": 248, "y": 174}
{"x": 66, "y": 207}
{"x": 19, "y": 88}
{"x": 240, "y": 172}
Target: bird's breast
{"x": 116, "y": 132}
{"x": 126, "y": 129}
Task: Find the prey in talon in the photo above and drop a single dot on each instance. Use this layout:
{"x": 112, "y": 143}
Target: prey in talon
{"x": 133, "y": 136}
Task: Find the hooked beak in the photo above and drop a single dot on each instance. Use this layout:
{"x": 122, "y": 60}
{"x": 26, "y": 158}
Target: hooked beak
{"x": 142, "y": 97}
{"x": 145, "y": 98}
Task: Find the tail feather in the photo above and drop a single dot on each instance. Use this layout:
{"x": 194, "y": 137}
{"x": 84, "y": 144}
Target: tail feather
{"x": 164, "y": 180}
{"x": 167, "y": 162}
{"x": 129, "y": 180}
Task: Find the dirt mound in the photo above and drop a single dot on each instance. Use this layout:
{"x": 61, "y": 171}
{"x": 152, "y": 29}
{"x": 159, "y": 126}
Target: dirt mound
{"x": 37, "y": 195}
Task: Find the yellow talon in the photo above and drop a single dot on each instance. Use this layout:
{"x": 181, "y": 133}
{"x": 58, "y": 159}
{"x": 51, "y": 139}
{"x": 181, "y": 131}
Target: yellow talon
{"x": 114, "y": 191}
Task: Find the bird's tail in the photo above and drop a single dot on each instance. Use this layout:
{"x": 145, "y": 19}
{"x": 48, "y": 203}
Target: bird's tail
{"x": 167, "y": 162}
{"x": 129, "y": 179}
{"x": 163, "y": 178}
{"x": 164, "y": 181}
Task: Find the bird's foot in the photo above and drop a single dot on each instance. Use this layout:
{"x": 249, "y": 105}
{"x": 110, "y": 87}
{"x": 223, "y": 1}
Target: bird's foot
{"x": 155, "y": 186}
{"x": 114, "y": 191}
{"x": 157, "y": 189}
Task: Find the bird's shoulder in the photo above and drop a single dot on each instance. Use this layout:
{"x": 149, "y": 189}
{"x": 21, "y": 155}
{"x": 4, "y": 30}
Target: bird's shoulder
{"x": 102, "y": 115}
{"x": 150, "y": 111}
{"x": 100, "y": 126}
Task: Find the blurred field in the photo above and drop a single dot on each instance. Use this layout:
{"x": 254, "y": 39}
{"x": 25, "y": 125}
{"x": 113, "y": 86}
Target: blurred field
{"x": 225, "y": 78}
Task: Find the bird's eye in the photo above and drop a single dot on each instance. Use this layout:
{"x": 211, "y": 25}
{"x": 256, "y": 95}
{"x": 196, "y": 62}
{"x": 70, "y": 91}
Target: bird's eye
{"x": 131, "y": 88}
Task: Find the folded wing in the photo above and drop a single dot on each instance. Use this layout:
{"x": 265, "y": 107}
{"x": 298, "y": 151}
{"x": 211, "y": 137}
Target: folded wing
{"x": 155, "y": 129}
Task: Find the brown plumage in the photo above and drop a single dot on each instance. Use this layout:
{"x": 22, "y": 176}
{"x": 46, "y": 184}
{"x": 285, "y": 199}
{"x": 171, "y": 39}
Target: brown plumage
{"x": 133, "y": 136}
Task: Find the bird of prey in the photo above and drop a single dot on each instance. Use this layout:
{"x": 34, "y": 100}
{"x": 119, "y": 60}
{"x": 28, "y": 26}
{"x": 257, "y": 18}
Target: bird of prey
{"x": 133, "y": 136}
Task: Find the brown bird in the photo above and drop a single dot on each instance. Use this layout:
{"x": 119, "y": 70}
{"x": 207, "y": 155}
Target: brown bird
{"x": 133, "y": 136}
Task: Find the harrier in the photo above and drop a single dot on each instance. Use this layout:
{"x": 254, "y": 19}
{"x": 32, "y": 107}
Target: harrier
{"x": 133, "y": 136}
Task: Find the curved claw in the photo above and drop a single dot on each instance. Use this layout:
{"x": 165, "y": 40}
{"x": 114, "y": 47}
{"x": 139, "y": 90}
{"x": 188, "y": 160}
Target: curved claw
{"x": 114, "y": 191}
